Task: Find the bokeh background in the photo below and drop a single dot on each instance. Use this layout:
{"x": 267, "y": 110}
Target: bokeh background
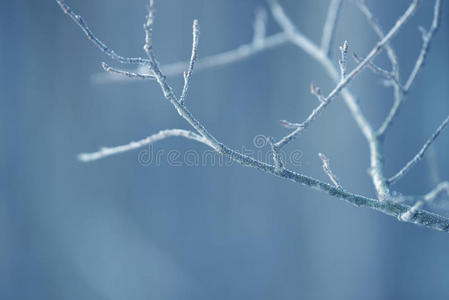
{"x": 116, "y": 229}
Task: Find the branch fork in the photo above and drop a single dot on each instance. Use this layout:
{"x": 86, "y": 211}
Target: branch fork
{"x": 260, "y": 42}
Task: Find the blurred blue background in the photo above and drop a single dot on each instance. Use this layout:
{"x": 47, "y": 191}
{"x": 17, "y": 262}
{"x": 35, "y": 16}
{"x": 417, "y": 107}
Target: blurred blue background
{"x": 115, "y": 229}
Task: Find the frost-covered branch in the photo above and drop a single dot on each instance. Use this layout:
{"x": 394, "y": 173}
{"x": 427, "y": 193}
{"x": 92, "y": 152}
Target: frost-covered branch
{"x": 188, "y": 73}
{"x": 327, "y": 170}
{"x": 124, "y": 73}
{"x": 427, "y": 38}
{"x": 163, "y": 134}
{"x": 420, "y": 153}
{"x": 299, "y": 39}
{"x": 342, "y": 61}
{"x": 383, "y": 204}
{"x": 441, "y": 188}
{"x": 82, "y": 24}
{"x": 392, "y": 76}
{"x": 259, "y": 43}
{"x": 401, "y": 90}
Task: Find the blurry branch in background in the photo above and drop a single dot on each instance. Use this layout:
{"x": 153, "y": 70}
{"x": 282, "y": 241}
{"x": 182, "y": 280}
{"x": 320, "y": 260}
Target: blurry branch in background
{"x": 427, "y": 38}
{"x": 393, "y": 77}
{"x": 260, "y": 26}
{"x": 330, "y": 26}
{"x": 386, "y": 203}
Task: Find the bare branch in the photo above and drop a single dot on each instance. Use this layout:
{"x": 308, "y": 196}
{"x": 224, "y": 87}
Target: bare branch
{"x": 277, "y": 159}
{"x": 188, "y": 74}
{"x": 388, "y": 207}
{"x": 168, "y": 91}
{"x": 315, "y": 90}
{"x": 439, "y": 189}
{"x": 330, "y": 25}
{"x": 83, "y": 25}
{"x": 427, "y": 198}
{"x": 400, "y": 94}
{"x": 419, "y": 155}
{"x": 308, "y": 46}
{"x": 163, "y": 134}
{"x": 327, "y": 170}
{"x": 380, "y": 33}
{"x": 427, "y": 39}
{"x": 243, "y": 52}
{"x": 392, "y": 77}
{"x": 342, "y": 61}
{"x": 389, "y": 76}
{"x": 128, "y": 74}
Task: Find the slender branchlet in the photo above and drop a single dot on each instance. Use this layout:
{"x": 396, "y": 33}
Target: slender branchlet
{"x": 110, "y": 69}
{"x": 168, "y": 91}
{"x": 330, "y": 25}
{"x": 163, "y": 134}
{"x": 383, "y": 204}
{"x": 380, "y": 34}
{"x": 427, "y": 39}
{"x": 342, "y": 61}
{"x": 188, "y": 73}
{"x": 289, "y": 125}
{"x": 277, "y": 159}
{"x": 103, "y": 48}
{"x": 401, "y": 90}
{"x": 148, "y": 28}
{"x": 430, "y": 197}
{"x": 316, "y": 91}
{"x": 442, "y": 187}
{"x": 420, "y": 153}
{"x": 308, "y": 46}
{"x": 327, "y": 170}
{"x": 390, "y": 77}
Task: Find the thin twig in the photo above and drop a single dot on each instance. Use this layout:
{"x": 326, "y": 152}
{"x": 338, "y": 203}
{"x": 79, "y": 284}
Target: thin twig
{"x": 400, "y": 94}
{"x": 330, "y": 25}
{"x": 241, "y": 53}
{"x": 419, "y": 155}
{"x": 83, "y": 25}
{"x": 315, "y": 90}
{"x": 389, "y": 76}
{"x": 283, "y": 20}
{"x": 380, "y": 34}
{"x": 128, "y": 74}
{"x": 277, "y": 159}
{"x": 342, "y": 61}
{"x": 188, "y": 74}
{"x": 289, "y": 125}
{"x": 427, "y": 38}
{"x": 327, "y": 170}
{"x": 427, "y": 198}
{"x": 376, "y": 158}
{"x": 163, "y": 134}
